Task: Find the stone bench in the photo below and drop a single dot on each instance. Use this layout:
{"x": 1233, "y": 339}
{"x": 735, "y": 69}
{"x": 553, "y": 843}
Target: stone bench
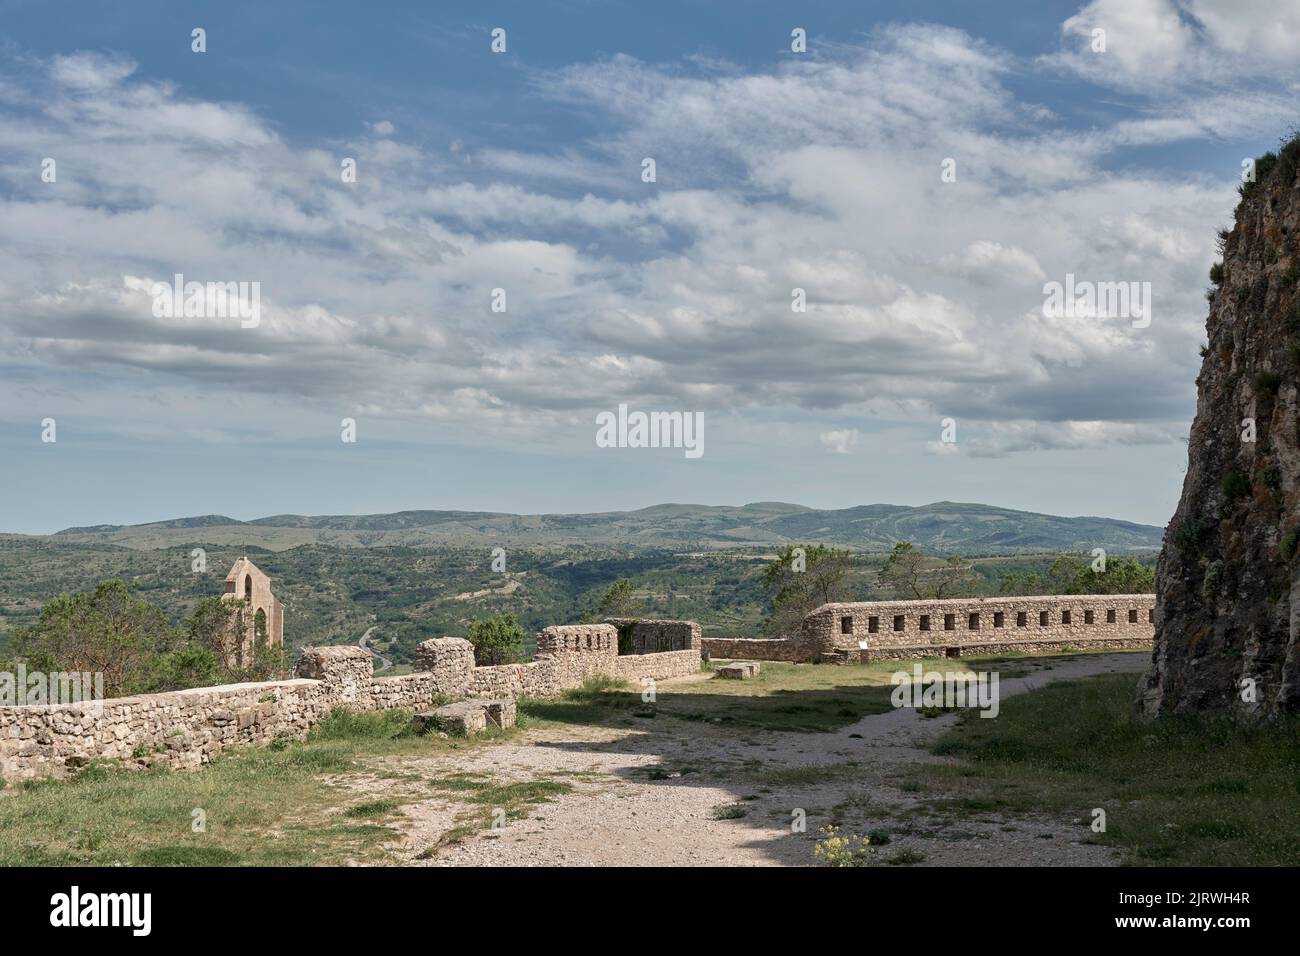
{"x": 468, "y": 717}
{"x": 740, "y": 670}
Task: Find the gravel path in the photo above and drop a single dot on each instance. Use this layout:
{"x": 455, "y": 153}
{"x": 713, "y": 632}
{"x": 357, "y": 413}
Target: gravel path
{"x": 619, "y": 813}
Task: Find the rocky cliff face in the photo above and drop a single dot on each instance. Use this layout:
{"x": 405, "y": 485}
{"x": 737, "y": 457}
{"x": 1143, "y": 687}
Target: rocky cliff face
{"x": 1228, "y": 581}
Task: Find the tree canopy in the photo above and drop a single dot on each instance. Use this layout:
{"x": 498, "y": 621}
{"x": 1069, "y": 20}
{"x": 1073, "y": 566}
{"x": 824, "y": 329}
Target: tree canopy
{"x": 915, "y": 575}
{"x": 801, "y": 578}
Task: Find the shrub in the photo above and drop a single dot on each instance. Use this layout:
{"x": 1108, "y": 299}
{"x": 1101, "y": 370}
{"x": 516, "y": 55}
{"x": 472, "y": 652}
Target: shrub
{"x": 1186, "y": 535}
{"x": 497, "y": 640}
{"x": 1216, "y": 273}
{"x": 836, "y": 850}
{"x": 184, "y": 667}
{"x": 1287, "y": 546}
{"x": 729, "y": 811}
{"x": 1235, "y": 485}
{"x": 1267, "y": 382}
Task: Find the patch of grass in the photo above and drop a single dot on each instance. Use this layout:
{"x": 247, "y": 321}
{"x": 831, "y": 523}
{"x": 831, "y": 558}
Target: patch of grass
{"x": 347, "y": 725}
{"x": 799, "y": 776}
{"x": 729, "y": 811}
{"x": 185, "y": 854}
{"x": 372, "y": 808}
{"x": 1173, "y": 790}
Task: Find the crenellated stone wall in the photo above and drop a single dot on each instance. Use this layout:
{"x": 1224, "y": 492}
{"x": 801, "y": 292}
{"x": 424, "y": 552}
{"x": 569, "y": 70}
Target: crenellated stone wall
{"x": 834, "y": 628}
{"x": 906, "y": 628}
{"x": 187, "y": 728}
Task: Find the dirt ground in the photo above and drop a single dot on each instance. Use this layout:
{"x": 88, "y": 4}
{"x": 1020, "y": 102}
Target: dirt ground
{"x": 649, "y": 796}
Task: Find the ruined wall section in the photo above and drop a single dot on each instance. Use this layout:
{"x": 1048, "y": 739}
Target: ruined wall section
{"x": 657, "y": 636}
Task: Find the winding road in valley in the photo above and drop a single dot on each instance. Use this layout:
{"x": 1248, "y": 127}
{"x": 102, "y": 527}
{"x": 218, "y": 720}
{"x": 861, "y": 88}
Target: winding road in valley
{"x": 383, "y": 662}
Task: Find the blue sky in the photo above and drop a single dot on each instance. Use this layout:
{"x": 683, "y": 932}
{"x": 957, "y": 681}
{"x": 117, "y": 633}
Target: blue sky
{"x": 522, "y": 171}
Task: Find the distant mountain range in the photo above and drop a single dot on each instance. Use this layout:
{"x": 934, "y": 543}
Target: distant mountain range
{"x": 944, "y": 527}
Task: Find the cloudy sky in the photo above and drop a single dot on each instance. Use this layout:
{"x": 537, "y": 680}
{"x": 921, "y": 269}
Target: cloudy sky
{"x": 522, "y": 171}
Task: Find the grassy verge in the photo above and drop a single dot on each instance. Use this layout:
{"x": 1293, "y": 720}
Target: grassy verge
{"x": 812, "y": 698}
{"x": 273, "y": 806}
{"x": 1175, "y": 792}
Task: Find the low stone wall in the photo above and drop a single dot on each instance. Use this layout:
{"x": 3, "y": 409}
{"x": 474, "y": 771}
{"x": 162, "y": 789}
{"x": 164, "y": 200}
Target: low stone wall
{"x": 187, "y": 728}
{"x": 180, "y": 729}
{"x": 638, "y": 667}
{"x": 756, "y": 649}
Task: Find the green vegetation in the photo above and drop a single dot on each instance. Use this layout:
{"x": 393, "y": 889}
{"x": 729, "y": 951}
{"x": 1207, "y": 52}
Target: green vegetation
{"x": 730, "y": 811}
{"x": 1186, "y": 791}
{"x": 497, "y": 640}
{"x": 1187, "y": 534}
{"x": 1287, "y": 546}
{"x": 1070, "y": 575}
{"x": 130, "y": 641}
{"x": 1235, "y": 485}
{"x": 1267, "y": 382}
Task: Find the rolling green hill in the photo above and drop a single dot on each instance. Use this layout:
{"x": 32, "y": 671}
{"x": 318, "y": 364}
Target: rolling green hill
{"x": 941, "y": 528}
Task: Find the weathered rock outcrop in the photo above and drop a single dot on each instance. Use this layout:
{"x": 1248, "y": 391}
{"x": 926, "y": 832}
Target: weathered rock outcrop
{"x": 1228, "y": 581}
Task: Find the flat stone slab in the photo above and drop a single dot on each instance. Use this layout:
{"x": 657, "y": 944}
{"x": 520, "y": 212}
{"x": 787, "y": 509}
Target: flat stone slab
{"x": 467, "y": 717}
{"x": 741, "y": 670}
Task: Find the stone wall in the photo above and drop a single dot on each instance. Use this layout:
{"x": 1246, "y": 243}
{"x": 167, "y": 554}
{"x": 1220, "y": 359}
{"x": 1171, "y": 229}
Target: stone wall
{"x": 661, "y": 666}
{"x": 187, "y": 728}
{"x": 180, "y": 729}
{"x": 756, "y": 649}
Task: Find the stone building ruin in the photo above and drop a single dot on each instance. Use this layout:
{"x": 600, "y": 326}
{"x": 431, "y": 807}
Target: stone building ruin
{"x": 262, "y": 619}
